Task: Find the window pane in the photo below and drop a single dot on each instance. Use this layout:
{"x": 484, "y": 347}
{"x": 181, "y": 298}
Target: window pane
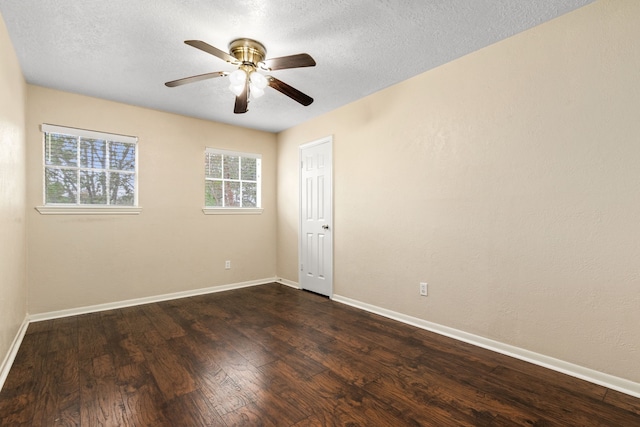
{"x": 213, "y": 193}
{"x": 60, "y": 150}
{"x": 122, "y": 156}
{"x": 249, "y": 195}
{"x": 213, "y": 165}
{"x": 60, "y": 185}
{"x": 232, "y": 180}
{"x": 93, "y": 188}
{"x": 248, "y": 168}
{"x": 231, "y": 194}
{"x": 121, "y": 189}
{"x": 231, "y": 167}
{"x": 92, "y": 153}
{"x": 89, "y": 170}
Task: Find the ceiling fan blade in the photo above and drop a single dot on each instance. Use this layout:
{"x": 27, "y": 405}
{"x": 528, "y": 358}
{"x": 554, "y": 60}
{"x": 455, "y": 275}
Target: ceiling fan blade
{"x": 291, "y": 61}
{"x": 290, "y": 91}
{"x": 197, "y": 78}
{"x": 242, "y": 100}
{"x": 212, "y": 50}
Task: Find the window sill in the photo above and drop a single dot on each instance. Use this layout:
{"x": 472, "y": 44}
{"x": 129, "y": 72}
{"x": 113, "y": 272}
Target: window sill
{"x": 89, "y": 210}
{"x": 232, "y": 211}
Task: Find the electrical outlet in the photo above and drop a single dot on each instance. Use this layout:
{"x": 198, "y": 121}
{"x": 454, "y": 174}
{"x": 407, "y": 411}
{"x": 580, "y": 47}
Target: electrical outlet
{"x": 227, "y": 265}
{"x": 423, "y": 289}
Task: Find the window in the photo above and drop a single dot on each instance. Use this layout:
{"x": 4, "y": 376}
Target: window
{"x": 85, "y": 168}
{"x": 232, "y": 182}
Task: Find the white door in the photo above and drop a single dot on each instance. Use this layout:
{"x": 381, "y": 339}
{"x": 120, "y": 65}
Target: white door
{"x": 316, "y": 214}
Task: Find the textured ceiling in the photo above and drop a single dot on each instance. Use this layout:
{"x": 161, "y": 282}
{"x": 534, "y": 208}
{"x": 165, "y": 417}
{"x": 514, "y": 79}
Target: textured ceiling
{"x": 124, "y": 50}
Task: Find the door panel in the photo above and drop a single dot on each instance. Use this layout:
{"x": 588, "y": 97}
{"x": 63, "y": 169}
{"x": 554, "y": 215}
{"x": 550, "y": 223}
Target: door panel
{"x": 316, "y": 213}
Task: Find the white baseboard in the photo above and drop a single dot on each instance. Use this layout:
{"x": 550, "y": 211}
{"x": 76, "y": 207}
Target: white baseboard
{"x": 289, "y": 283}
{"x": 146, "y": 300}
{"x": 615, "y": 383}
{"x": 13, "y": 351}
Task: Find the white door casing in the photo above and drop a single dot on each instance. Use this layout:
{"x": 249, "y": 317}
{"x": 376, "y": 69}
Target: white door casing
{"x": 316, "y": 217}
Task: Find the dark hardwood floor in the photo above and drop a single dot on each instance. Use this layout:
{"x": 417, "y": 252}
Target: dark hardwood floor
{"x": 272, "y": 355}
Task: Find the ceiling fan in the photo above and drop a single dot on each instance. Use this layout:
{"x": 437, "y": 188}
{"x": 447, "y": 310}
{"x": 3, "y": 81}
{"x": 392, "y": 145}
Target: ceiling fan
{"x": 249, "y": 56}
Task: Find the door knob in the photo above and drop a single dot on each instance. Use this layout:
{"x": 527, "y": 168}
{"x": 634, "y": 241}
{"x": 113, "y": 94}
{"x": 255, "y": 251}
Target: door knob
{"x": 325, "y": 227}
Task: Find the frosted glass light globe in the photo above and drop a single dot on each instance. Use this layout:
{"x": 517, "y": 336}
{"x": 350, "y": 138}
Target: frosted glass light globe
{"x": 258, "y": 80}
{"x": 238, "y": 77}
{"x": 255, "y": 91}
{"x": 236, "y": 89}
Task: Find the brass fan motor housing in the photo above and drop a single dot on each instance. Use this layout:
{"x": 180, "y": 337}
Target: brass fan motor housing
{"x": 248, "y": 51}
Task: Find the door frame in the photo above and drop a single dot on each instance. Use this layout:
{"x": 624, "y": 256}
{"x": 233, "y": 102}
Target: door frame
{"x": 301, "y": 148}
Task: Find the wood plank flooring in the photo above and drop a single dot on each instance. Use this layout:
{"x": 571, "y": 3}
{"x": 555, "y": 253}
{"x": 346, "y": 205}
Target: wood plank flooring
{"x": 275, "y": 356}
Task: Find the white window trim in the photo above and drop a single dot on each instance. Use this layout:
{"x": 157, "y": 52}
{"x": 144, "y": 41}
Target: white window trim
{"x": 92, "y": 134}
{"x": 211, "y": 210}
{"x": 232, "y": 211}
{"x": 88, "y": 210}
{"x": 68, "y": 209}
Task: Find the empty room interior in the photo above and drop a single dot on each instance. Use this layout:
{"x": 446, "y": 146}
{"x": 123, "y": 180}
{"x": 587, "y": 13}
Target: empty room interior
{"x": 484, "y": 205}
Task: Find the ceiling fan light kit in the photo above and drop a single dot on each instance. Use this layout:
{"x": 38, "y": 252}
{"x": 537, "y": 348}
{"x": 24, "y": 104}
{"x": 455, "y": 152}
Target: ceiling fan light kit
{"x": 246, "y": 82}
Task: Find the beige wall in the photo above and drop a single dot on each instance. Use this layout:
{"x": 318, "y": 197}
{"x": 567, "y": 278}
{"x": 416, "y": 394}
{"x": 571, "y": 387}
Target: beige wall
{"x": 508, "y": 180}
{"x": 13, "y": 291}
{"x": 77, "y": 261}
